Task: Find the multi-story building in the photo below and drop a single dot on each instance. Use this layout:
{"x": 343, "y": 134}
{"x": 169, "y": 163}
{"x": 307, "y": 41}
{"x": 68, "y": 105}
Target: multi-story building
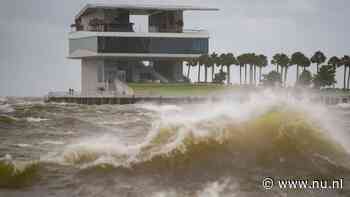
{"x": 112, "y": 53}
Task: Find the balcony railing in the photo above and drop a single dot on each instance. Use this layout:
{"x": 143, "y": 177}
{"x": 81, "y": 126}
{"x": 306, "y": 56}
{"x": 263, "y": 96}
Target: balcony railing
{"x": 100, "y": 27}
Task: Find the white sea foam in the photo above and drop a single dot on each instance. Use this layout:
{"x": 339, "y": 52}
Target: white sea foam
{"x": 161, "y": 108}
{"x": 165, "y": 194}
{"x": 7, "y": 157}
{"x": 23, "y": 145}
{"x": 344, "y": 105}
{"x": 32, "y": 119}
{"x": 51, "y": 142}
{"x": 6, "y": 108}
{"x": 215, "y": 189}
{"x": 3, "y": 100}
{"x": 111, "y": 150}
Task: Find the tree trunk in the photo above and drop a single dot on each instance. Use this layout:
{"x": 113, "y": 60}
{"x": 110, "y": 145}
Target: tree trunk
{"x": 212, "y": 73}
{"x": 199, "y": 73}
{"x": 250, "y": 74}
{"x": 297, "y": 78}
{"x": 345, "y": 77}
{"x": 317, "y": 68}
{"x": 278, "y": 69}
{"x": 228, "y": 75}
{"x": 285, "y": 76}
{"x": 240, "y": 75}
{"x": 206, "y": 74}
{"x": 245, "y": 73}
{"x": 188, "y": 72}
{"x": 349, "y": 79}
{"x": 282, "y": 74}
{"x": 335, "y": 68}
{"x": 260, "y": 71}
{"x": 255, "y": 75}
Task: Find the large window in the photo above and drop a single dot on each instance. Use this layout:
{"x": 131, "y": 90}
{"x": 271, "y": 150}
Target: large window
{"x": 152, "y": 45}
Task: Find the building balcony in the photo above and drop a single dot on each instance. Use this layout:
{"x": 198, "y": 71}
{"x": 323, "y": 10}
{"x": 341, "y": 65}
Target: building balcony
{"x": 145, "y": 45}
{"x": 101, "y": 27}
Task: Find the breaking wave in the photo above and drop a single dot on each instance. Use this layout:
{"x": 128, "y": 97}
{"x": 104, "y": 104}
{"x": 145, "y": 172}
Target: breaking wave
{"x": 5, "y": 119}
{"x": 15, "y": 174}
{"x": 275, "y": 134}
{"x": 265, "y": 133}
{"x": 6, "y": 108}
{"x": 31, "y": 119}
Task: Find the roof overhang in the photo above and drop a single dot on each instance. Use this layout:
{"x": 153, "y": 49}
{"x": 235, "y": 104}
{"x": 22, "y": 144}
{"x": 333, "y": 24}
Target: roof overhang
{"x": 87, "y": 34}
{"x": 145, "y": 9}
{"x": 81, "y": 54}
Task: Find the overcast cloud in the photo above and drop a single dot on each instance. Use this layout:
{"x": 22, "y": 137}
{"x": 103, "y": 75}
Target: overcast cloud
{"x": 34, "y": 35}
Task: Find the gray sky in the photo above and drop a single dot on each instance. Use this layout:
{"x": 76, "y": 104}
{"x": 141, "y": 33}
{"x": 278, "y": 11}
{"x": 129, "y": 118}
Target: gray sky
{"x": 34, "y": 36}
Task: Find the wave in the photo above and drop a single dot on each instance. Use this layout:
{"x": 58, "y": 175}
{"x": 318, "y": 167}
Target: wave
{"x": 14, "y": 174}
{"x": 31, "y": 119}
{"x": 161, "y": 108}
{"x": 213, "y": 189}
{"x": 280, "y": 137}
{"x": 344, "y": 105}
{"x": 23, "y": 145}
{"x": 3, "y": 100}
{"x": 5, "y": 119}
{"x": 51, "y": 142}
{"x": 6, "y": 108}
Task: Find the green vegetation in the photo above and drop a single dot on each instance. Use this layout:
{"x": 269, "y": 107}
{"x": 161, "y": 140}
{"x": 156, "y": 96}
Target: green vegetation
{"x": 283, "y": 62}
{"x": 151, "y": 89}
{"x": 273, "y": 78}
{"x": 250, "y": 76}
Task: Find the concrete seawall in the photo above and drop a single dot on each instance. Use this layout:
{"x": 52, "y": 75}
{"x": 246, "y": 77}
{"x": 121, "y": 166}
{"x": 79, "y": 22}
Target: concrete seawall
{"x": 326, "y": 99}
{"x": 127, "y": 100}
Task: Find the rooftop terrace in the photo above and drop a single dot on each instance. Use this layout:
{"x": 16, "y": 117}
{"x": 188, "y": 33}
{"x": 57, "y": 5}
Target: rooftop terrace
{"x": 142, "y": 9}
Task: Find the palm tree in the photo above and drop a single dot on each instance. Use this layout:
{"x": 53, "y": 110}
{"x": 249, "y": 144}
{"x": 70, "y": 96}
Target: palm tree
{"x": 219, "y": 61}
{"x": 345, "y": 61}
{"x": 305, "y": 62}
{"x": 251, "y": 58}
{"x": 275, "y": 60}
{"x": 201, "y": 61}
{"x": 214, "y": 59}
{"x": 191, "y": 63}
{"x": 263, "y": 62}
{"x": 335, "y": 62}
{"x": 223, "y": 59}
{"x": 256, "y": 60}
{"x": 241, "y": 62}
{"x": 229, "y": 61}
{"x": 297, "y": 59}
{"x": 284, "y": 62}
{"x": 206, "y": 62}
{"x": 318, "y": 58}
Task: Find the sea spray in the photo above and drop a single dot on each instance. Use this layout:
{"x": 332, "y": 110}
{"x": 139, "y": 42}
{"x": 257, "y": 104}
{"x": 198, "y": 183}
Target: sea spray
{"x": 253, "y": 132}
{"x": 177, "y": 150}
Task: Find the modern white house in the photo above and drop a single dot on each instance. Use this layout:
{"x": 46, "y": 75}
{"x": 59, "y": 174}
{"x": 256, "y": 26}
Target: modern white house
{"x": 112, "y": 53}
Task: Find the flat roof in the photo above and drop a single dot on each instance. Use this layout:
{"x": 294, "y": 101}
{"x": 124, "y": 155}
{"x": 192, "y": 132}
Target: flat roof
{"x": 144, "y": 8}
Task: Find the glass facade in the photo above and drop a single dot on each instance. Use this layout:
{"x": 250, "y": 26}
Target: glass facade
{"x": 89, "y": 43}
{"x": 153, "y": 45}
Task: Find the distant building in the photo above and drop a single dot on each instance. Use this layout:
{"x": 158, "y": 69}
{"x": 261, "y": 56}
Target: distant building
{"x": 112, "y": 53}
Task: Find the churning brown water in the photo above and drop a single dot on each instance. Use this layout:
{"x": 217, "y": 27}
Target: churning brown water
{"x": 208, "y": 149}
